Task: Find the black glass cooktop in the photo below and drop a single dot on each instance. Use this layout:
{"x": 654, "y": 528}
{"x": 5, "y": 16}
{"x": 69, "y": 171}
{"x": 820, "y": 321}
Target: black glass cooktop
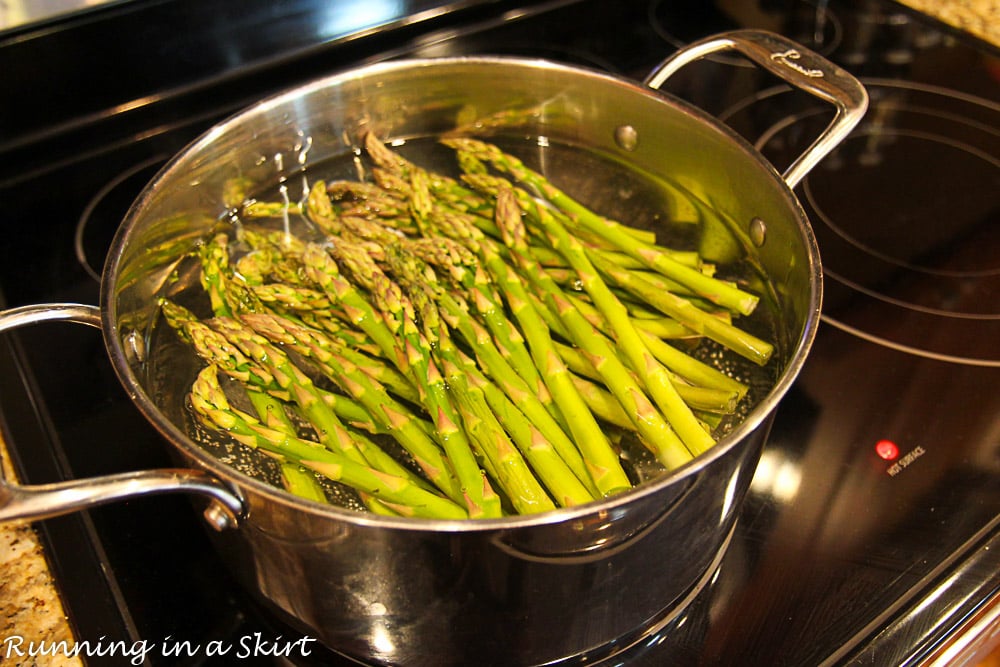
{"x": 870, "y": 533}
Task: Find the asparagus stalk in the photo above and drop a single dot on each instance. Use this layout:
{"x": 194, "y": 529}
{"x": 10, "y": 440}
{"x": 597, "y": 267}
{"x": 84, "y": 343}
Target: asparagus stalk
{"x": 353, "y": 192}
{"x": 388, "y": 415}
{"x": 259, "y": 209}
{"x": 213, "y": 348}
{"x": 445, "y": 187}
{"x": 339, "y": 363}
{"x": 397, "y": 320}
{"x": 294, "y": 478}
{"x": 398, "y": 420}
{"x": 650, "y": 333}
{"x": 209, "y": 401}
{"x": 270, "y": 409}
{"x": 600, "y": 457}
{"x": 271, "y": 256}
{"x": 312, "y": 307}
{"x": 603, "y": 404}
{"x": 506, "y": 462}
{"x": 602, "y": 462}
{"x": 662, "y": 328}
{"x": 465, "y": 378}
{"x": 214, "y": 256}
{"x": 656, "y": 433}
{"x": 330, "y": 429}
{"x": 698, "y": 398}
{"x": 295, "y": 298}
{"x": 653, "y": 375}
{"x": 611, "y": 231}
{"x": 693, "y": 370}
{"x": 301, "y": 482}
{"x": 321, "y": 348}
{"x": 465, "y": 269}
{"x": 495, "y": 357}
{"x": 681, "y": 309}
{"x": 300, "y": 388}
{"x": 323, "y": 271}
{"x": 514, "y": 387}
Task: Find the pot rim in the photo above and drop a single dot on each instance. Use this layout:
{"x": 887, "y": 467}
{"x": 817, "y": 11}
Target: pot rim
{"x": 177, "y": 437}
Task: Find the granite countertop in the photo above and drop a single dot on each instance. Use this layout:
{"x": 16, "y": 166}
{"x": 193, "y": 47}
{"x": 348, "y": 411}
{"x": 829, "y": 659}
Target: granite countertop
{"x": 30, "y": 610}
{"x": 980, "y": 18}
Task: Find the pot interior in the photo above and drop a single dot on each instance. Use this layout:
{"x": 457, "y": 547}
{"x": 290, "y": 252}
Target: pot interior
{"x": 627, "y": 152}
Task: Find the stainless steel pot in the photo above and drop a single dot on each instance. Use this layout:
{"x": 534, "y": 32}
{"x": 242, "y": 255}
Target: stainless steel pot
{"x": 565, "y": 585}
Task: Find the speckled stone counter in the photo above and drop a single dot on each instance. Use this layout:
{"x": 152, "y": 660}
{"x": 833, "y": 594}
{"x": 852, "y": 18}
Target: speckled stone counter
{"x": 980, "y": 18}
{"x": 31, "y": 614}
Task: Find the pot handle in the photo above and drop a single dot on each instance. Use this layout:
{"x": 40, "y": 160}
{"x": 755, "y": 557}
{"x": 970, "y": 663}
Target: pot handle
{"x": 43, "y": 501}
{"x": 794, "y": 64}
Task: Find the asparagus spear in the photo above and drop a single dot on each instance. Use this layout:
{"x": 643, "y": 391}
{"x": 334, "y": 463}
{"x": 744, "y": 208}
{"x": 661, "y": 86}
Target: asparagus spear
{"x": 470, "y": 384}
{"x": 602, "y": 462}
{"x": 603, "y": 404}
{"x": 342, "y": 191}
{"x": 289, "y": 377}
{"x": 259, "y": 209}
{"x": 301, "y": 390}
{"x": 694, "y": 318}
{"x": 295, "y": 298}
{"x": 332, "y": 431}
{"x": 395, "y": 318}
{"x": 329, "y": 355}
{"x": 447, "y": 188}
{"x": 304, "y": 393}
{"x": 214, "y": 256}
{"x": 322, "y": 270}
{"x": 322, "y": 347}
{"x": 215, "y": 349}
{"x": 210, "y": 402}
{"x": 299, "y": 481}
{"x": 534, "y": 400}
{"x": 218, "y": 350}
{"x": 656, "y": 433}
{"x": 698, "y": 398}
{"x": 613, "y": 232}
{"x": 294, "y": 478}
{"x": 270, "y": 411}
{"x": 662, "y": 328}
{"x": 514, "y": 387}
{"x": 654, "y": 376}
{"x": 465, "y": 269}
{"x": 393, "y": 418}
{"x": 506, "y": 462}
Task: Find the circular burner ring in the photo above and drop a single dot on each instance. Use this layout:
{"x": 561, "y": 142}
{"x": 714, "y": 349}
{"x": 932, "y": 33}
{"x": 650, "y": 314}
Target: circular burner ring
{"x": 105, "y": 211}
{"x": 826, "y": 29}
{"x": 939, "y": 312}
{"x": 909, "y": 349}
{"x": 887, "y": 257}
{"x": 909, "y": 320}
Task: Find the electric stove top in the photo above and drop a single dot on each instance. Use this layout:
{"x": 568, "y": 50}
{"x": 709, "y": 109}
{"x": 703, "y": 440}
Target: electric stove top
{"x": 870, "y": 533}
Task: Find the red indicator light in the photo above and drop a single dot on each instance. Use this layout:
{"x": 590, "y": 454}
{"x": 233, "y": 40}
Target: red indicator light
{"x": 887, "y": 450}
